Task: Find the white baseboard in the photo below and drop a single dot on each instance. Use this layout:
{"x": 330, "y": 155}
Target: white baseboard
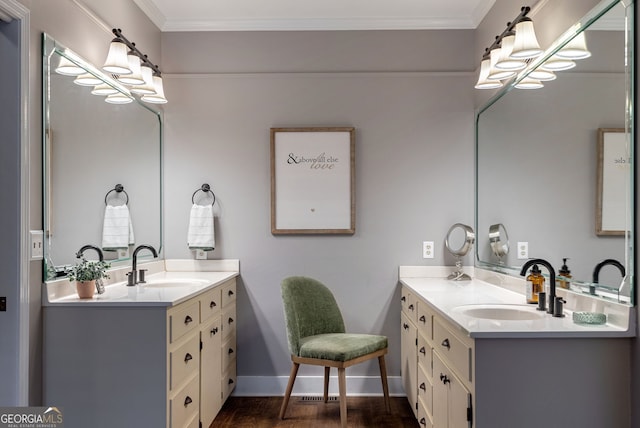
{"x": 269, "y": 386}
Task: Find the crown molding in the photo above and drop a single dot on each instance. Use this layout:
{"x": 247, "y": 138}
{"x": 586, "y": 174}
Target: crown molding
{"x": 319, "y": 24}
{"x": 151, "y": 10}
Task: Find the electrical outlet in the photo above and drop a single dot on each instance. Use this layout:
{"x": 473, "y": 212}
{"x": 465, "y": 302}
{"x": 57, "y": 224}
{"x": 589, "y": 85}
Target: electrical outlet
{"x": 123, "y": 253}
{"x": 428, "y": 251}
{"x": 201, "y": 255}
{"x": 37, "y": 244}
{"x": 523, "y": 250}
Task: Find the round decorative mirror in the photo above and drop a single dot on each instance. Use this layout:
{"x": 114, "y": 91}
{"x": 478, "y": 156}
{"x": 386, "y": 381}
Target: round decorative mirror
{"x": 460, "y": 239}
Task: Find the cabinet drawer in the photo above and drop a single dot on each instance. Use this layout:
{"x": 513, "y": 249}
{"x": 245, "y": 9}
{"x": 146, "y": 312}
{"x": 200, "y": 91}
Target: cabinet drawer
{"x": 229, "y": 292}
{"x": 409, "y": 304}
{"x": 183, "y": 320}
{"x": 424, "y": 417}
{"x": 453, "y": 349}
{"x": 425, "y": 391}
{"x": 228, "y": 321}
{"x": 228, "y": 351}
{"x": 184, "y": 361}
{"x": 210, "y": 304}
{"x": 228, "y": 381}
{"x": 424, "y": 355}
{"x": 425, "y": 320}
{"x": 185, "y": 404}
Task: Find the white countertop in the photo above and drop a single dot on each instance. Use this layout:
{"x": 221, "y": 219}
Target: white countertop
{"x": 162, "y": 288}
{"x": 444, "y": 295}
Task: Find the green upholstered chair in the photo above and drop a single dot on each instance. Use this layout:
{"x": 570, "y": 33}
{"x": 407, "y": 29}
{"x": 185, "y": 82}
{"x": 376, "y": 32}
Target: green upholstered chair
{"x": 316, "y": 335}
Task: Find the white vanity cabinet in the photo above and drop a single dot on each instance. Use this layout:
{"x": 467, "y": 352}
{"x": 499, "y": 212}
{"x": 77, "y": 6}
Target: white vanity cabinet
{"x": 408, "y": 348}
{"x": 437, "y": 395}
{"x": 142, "y": 365}
{"x": 549, "y": 373}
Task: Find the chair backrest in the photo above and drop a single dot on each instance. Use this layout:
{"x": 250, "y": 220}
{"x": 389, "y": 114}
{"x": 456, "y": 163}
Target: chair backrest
{"x": 309, "y": 309}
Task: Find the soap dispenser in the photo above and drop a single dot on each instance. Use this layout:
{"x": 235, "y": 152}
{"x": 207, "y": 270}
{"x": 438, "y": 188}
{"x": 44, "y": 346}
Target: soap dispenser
{"x": 564, "y": 275}
{"x": 535, "y": 284}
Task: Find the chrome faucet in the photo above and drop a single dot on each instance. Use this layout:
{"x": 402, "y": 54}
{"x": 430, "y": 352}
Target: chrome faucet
{"x": 552, "y": 279}
{"x": 596, "y": 272}
{"x": 133, "y": 275}
{"x": 84, "y": 248}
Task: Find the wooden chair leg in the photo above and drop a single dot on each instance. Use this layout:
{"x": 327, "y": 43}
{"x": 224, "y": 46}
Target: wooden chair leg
{"x": 342, "y": 386}
{"x": 385, "y": 385}
{"x": 326, "y": 383}
{"x": 287, "y": 394}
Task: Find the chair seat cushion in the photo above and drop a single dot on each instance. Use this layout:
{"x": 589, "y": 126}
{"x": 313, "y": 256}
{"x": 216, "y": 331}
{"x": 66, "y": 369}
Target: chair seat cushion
{"x": 341, "y": 346}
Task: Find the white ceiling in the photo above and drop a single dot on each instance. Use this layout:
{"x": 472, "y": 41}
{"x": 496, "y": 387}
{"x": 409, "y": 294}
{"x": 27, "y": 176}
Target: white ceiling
{"x": 273, "y": 15}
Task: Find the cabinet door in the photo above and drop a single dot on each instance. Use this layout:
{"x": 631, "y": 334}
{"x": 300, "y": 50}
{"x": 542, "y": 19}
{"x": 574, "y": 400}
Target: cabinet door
{"x": 409, "y": 360}
{"x": 451, "y": 400}
{"x": 210, "y": 371}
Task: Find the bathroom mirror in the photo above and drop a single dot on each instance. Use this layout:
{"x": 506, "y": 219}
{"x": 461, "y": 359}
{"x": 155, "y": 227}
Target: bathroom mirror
{"x": 537, "y": 158}
{"x": 90, "y": 147}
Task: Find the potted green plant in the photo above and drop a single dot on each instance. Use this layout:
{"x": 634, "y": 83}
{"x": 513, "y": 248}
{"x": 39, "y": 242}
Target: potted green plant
{"x": 85, "y": 273}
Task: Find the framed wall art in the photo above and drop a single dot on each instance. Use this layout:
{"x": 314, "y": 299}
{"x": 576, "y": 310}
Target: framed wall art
{"x": 614, "y": 181}
{"x": 312, "y": 181}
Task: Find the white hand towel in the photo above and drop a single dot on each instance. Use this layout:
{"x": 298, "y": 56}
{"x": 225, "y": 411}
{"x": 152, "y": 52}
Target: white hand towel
{"x": 201, "y": 234}
{"x": 116, "y": 230}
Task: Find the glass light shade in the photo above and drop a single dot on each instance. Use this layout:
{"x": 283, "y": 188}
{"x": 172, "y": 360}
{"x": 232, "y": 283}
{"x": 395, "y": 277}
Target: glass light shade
{"x": 505, "y": 62}
{"x": 104, "y": 89}
{"x": 576, "y": 48}
{"x": 68, "y": 68}
{"x": 117, "y": 62}
{"x": 555, "y": 63}
{"x": 87, "y": 79}
{"x": 525, "y": 45}
{"x": 135, "y": 78}
{"x": 118, "y": 98}
{"x": 496, "y": 73}
{"x": 147, "y": 87}
{"x": 158, "y": 97}
{"x": 483, "y": 82}
{"x": 529, "y": 83}
{"x": 542, "y": 75}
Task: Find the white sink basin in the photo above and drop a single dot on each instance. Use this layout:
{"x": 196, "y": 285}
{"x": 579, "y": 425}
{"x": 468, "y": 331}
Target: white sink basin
{"x": 501, "y": 312}
{"x": 174, "y": 282}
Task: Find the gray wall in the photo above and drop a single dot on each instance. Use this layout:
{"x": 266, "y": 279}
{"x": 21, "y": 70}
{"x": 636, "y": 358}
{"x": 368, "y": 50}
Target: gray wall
{"x": 414, "y": 163}
{"x": 10, "y": 221}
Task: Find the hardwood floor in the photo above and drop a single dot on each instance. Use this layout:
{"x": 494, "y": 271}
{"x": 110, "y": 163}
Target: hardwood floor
{"x": 262, "y": 412}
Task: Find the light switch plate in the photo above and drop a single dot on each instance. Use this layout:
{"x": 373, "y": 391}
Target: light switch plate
{"x": 37, "y": 244}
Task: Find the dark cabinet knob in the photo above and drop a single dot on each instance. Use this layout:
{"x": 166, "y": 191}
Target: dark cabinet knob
{"x": 188, "y": 319}
{"x": 446, "y": 344}
{"x": 212, "y": 304}
{"x": 423, "y": 319}
{"x": 405, "y": 326}
{"x": 188, "y": 358}
{"x": 403, "y": 299}
{"x": 444, "y": 379}
{"x": 230, "y": 351}
{"x": 187, "y": 401}
{"x": 230, "y": 320}
{"x": 423, "y": 386}
{"x": 214, "y": 331}
{"x": 230, "y": 293}
{"x": 411, "y": 307}
{"x": 423, "y": 421}
{"x": 423, "y": 351}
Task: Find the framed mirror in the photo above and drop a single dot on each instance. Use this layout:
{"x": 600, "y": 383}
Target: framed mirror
{"x": 90, "y": 147}
{"x": 537, "y": 160}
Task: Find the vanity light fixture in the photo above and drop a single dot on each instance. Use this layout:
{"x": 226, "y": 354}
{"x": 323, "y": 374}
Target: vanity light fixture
{"x": 132, "y": 68}
{"x": 68, "y": 68}
{"x": 87, "y": 79}
{"x": 104, "y": 90}
{"x": 576, "y": 48}
{"x": 518, "y": 46}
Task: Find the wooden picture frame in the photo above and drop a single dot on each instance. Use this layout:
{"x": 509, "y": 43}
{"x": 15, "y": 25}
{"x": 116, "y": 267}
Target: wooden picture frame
{"x": 313, "y": 181}
{"x": 613, "y": 182}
